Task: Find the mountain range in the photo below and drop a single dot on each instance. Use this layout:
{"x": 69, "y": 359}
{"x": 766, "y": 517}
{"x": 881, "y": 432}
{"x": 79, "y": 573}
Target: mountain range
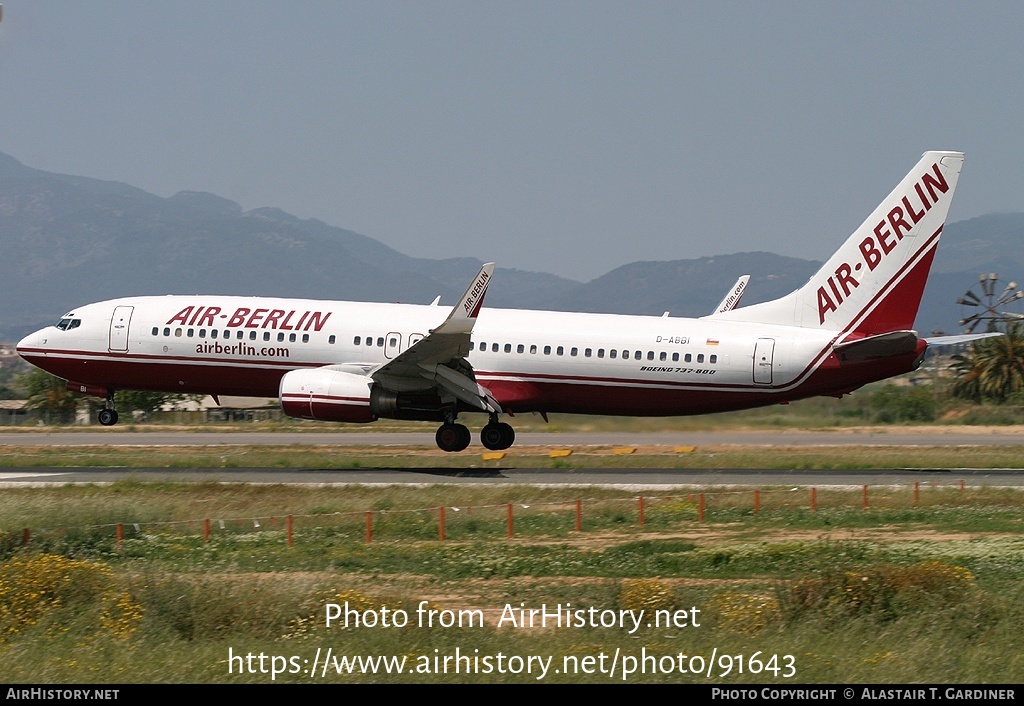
{"x": 68, "y": 240}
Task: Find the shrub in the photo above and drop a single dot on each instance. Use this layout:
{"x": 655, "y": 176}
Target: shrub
{"x": 646, "y": 594}
{"x": 885, "y": 591}
{"x": 743, "y": 612}
{"x": 52, "y": 591}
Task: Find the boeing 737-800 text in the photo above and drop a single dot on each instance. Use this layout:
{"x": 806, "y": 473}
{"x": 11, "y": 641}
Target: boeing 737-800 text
{"x": 851, "y": 324}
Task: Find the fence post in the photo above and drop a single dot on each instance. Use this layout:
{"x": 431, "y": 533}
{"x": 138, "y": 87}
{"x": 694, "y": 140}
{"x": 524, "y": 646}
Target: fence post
{"x": 25, "y": 536}
{"x": 961, "y": 487}
{"x": 288, "y": 530}
{"x": 814, "y": 499}
{"x": 757, "y": 501}
{"x": 509, "y": 520}
{"x": 440, "y": 523}
{"x": 917, "y": 493}
{"x": 579, "y": 515}
{"x": 700, "y": 507}
{"x": 120, "y": 537}
{"x": 641, "y": 510}
{"x": 864, "y": 499}
{"x": 206, "y": 530}
{"x": 369, "y": 526}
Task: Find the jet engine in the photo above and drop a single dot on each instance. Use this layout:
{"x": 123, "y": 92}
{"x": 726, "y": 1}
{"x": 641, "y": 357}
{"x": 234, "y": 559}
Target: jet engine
{"x": 330, "y": 396}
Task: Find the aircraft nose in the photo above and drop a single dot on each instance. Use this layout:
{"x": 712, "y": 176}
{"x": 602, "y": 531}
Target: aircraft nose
{"x": 29, "y": 343}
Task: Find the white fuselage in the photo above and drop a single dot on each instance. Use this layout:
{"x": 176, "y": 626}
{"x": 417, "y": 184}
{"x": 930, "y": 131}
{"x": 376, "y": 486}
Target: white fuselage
{"x": 530, "y": 360}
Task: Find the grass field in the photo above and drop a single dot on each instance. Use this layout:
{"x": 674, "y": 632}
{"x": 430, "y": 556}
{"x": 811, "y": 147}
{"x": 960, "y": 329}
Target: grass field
{"x": 905, "y": 591}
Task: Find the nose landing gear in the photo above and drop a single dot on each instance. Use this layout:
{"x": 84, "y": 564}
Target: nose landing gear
{"x": 108, "y": 415}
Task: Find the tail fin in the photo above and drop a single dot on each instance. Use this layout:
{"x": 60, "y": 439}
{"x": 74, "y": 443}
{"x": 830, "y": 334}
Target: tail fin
{"x": 873, "y": 283}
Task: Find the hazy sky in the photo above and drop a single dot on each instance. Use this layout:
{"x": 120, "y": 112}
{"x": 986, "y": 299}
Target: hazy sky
{"x": 563, "y": 136}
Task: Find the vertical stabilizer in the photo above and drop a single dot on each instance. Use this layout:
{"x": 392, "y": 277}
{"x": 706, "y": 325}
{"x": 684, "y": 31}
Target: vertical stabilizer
{"x": 873, "y": 283}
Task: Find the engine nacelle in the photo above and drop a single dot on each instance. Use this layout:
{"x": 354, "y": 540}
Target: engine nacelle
{"x": 328, "y": 395}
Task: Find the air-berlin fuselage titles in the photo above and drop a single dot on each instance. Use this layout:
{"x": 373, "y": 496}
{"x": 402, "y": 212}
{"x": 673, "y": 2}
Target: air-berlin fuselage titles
{"x": 356, "y": 362}
{"x": 244, "y": 317}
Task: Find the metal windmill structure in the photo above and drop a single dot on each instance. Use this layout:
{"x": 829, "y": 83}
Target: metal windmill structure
{"x": 989, "y": 301}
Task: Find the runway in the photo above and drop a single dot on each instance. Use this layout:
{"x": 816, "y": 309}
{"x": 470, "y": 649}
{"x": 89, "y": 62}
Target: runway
{"x": 900, "y": 436}
{"x": 623, "y": 478}
{"x": 505, "y": 472}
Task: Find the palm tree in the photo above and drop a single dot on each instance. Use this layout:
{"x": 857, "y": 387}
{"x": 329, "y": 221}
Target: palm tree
{"x": 993, "y": 370}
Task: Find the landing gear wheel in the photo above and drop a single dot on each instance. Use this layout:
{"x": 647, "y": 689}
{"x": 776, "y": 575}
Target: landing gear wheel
{"x": 497, "y": 436}
{"x": 107, "y": 417}
{"x": 452, "y": 437}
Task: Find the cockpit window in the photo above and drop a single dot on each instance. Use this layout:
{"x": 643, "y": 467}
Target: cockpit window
{"x": 67, "y": 323}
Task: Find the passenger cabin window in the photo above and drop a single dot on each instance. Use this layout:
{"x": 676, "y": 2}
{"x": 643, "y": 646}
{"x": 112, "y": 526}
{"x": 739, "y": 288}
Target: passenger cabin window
{"x": 520, "y": 348}
{"x": 573, "y": 351}
{"x": 156, "y": 331}
{"x": 380, "y": 341}
{"x": 280, "y": 337}
{"x": 332, "y": 339}
{"x": 291, "y": 338}
{"x": 252, "y": 335}
{"x": 213, "y": 333}
{"x": 600, "y": 352}
{"x": 355, "y": 341}
{"x": 714, "y": 359}
{"x": 700, "y": 357}
{"x": 560, "y": 350}
{"x": 305, "y": 338}
{"x": 547, "y": 350}
{"x": 533, "y": 348}
{"x": 613, "y": 353}
{"x": 494, "y": 347}
{"x": 508, "y": 347}
{"x": 167, "y": 332}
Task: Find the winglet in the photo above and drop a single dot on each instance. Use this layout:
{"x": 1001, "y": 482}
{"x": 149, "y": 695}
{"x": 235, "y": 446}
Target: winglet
{"x": 734, "y": 295}
{"x": 464, "y": 314}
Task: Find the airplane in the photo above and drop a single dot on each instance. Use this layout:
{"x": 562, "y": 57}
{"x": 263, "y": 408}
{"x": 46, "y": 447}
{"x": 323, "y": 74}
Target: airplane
{"x": 849, "y": 325}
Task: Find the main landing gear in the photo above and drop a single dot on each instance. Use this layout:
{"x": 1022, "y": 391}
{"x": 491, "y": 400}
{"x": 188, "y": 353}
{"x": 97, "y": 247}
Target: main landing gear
{"x": 108, "y": 415}
{"x": 495, "y": 436}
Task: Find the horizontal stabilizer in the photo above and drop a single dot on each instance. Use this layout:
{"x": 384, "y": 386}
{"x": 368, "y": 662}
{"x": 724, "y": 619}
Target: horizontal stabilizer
{"x": 962, "y": 338}
{"x": 881, "y": 346}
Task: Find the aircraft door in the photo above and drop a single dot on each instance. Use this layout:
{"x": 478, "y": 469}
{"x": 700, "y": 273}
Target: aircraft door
{"x": 119, "y": 324}
{"x": 392, "y": 345}
{"x": 764, "y": 351}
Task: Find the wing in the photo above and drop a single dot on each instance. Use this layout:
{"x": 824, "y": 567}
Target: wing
{"x": 438, "y": 361}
